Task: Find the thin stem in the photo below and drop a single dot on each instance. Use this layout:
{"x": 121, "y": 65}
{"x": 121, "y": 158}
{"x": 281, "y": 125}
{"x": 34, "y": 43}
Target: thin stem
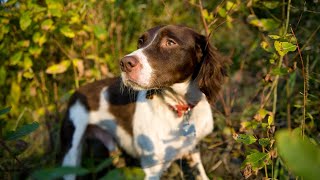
{"x": 288, "y": 16}
{"x": 203, "y": 19}
{"x": 288, "y": 106}
{"x": 305, "y": 79}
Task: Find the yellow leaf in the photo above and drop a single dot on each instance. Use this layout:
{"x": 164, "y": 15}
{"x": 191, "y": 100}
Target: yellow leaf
{"x": 58, "y": 68}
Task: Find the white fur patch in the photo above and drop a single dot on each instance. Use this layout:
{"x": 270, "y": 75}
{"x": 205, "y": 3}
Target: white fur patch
{"x": 157, "y": 130}
{"x": 146, "y": 72}
{"x": 79, "y": 117}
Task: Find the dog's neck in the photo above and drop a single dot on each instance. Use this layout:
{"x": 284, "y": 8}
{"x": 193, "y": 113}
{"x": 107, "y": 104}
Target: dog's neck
{"x": 185, "y": 93}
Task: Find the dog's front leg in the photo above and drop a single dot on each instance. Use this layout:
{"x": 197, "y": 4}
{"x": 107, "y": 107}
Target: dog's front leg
{"x": 154, "y": 172}
{"x": 195, "y": 161}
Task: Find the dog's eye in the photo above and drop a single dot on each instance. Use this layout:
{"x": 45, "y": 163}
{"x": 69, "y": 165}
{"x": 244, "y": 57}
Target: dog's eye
{"x": 170, "y": 42}
{"x": 140, "y": 41}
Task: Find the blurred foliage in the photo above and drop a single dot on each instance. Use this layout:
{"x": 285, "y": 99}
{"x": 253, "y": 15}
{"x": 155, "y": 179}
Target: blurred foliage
{"x": 49, "y": 48}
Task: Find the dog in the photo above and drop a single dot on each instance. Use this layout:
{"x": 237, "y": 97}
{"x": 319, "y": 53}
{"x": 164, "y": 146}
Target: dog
{"x": 160, "y": 107}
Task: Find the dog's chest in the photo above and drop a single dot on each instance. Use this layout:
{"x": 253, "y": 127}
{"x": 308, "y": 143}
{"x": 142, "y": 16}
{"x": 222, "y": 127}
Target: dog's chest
{"x": 160, "y": 135}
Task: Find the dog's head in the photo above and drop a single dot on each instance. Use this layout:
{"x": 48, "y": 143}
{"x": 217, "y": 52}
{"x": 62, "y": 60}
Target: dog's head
{"x": 173, "y": 54}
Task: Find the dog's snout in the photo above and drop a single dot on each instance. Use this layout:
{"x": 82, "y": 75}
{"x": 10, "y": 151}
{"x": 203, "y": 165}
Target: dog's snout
{"x": 128, "y": 63}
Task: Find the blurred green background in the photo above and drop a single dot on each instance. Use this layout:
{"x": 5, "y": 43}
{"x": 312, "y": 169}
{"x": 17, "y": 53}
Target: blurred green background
{"x": 48, "y": 48}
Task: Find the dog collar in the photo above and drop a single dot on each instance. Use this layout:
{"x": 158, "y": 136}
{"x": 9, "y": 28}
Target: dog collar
{"x": 181, "y": 109}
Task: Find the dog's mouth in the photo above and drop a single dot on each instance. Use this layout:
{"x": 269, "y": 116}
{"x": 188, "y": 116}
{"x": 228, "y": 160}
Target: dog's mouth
{"x": 133, "y": 84}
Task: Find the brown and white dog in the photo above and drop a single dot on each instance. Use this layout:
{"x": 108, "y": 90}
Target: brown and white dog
{"x": 160, "y": 107}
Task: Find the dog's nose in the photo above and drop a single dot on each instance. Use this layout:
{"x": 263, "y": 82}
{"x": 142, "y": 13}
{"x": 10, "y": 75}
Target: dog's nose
{"x": 128, "y": 63}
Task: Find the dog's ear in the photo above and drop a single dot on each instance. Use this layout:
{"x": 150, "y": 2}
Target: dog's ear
{"x": 212, "y": 69}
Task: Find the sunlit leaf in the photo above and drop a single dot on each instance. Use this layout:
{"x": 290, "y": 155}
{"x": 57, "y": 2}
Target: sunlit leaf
{"x": 270, "y": 120}
{"x": 264, "y": 24}
{"x": 27, "y": 62}
{"x": 35, "y": 51}
{"x": 24, "y": 43}
{"x": 22, "y": 131}
{"x": 58, "y": 68}
{"x": 257, "y": 160}
{"x": 274, "y": 36}
{"x": 207, "y": 16}
{"x": 230, "y": 5}
{"x": 25, "y": 21}
{"x": 222, "y": 12}
{"x": 244, "y": 138}
{"x": 75, "y": 19}
{"x": 39, "y": 39}
{"x": 66, "y": 31}
{"x": 265, "y": 46}
{"x": 46, "y": 24}
{"x": 261, "y": 114}
{"x": 58, "y": 172}
{"x": 300, "y": 155}
{"x": 284, "y": 47}
{"x": 100, "y": 32}
{"x": 28, "y": 74}
{"x": 271, "y": 4}
{"x": 15, "y": 58}
{"x": 55, "y": 7}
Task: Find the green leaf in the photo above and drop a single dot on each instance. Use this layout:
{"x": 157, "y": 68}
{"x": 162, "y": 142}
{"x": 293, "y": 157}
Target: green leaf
{"x": 264, "y": 142}
{"x": 244, "y": 138}
{"x": 124, "y": 174}
{"x": 35, "y": 51}
{"x": 261, "y": 114}
{"x": 55, "y": 7}
{"x": 3, "y": 75}
{"x": 25, "y": 21}
{"x": 55, "y": 173}
{"x": 39, "y": 39}
{"x": 263, "y": 24}
{"x": 271, "y": 4}
{"x": 14, "y": 59}
{"x": 66, "y": 31}
{"x": 284, "y": 47}
{"x": 27, "y": 62}
{"x": 300, "y": 155}
{"x": 58, "y": 68}
{"x": 5, "y": 110}
{"x": 207, "y": 16}
{"x": 28, "y": 74}
{"x": 222, "y": 12}
{"x": 100, "y": 33}
{"x": 257, "y": 160}
{"x": 22, "y": 131}
{"x": 279, "y": 71}
{"x": 274, "y": 36}
{"x": 270, "y": 120}
{"x": 15, "y": 92}
{"x": 266, "y": 46}
{"x": 24, "y": 43}
{"x": 47, "y": 24}
{"x": 103, "y": 165}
